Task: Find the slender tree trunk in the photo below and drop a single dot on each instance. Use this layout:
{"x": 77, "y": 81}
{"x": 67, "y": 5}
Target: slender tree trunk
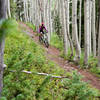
{"x": 67, "y": 19}
{"x": 93, "y": 28}
{"x": 2, "y": 42}
{"x": 86, "y": 28}
{"x": 90, "y": 13}
{"x": 64, "y": 28}
{"x": 24, "y": 3}
{"x": 8, "y": 9}
{"x": 49, "y": 19}
{"x": 74, "y": 30}
{"x": 99, "y": 39}
{"x": 80, "y": 23}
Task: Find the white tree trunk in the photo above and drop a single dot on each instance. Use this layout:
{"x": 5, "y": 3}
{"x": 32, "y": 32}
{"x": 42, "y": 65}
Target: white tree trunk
{"x": 80, "y": 22}
{"x": 93, "y": 28}
{"x": 64, "y": 28}
{"x": 8, "y": 9}
{"x": 67, "y": 18}
{"x": 2, "y": 42}
{"x": 99, "y": 39}
{"x": 90, "y": 13}
{"x": 24, "y": 4}
{"x": 74, "y": 30}
{"x": 87, "y": 24}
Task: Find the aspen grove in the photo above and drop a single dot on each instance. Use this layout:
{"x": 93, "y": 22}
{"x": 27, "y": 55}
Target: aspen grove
{"x": 74, "y": 40}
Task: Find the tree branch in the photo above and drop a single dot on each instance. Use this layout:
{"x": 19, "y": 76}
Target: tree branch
{"x": 42, "y": 74}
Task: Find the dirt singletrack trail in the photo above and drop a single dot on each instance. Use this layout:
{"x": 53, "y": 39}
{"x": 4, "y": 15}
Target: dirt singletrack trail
{"x": 53, "y": 54}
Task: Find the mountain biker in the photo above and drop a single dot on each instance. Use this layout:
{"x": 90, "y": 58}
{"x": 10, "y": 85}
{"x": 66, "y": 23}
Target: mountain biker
{"x": 43, "y": 38}
{"x": 42, "y": 28}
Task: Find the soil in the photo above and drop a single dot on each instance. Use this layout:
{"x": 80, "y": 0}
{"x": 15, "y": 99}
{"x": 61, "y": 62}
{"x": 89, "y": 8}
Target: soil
{"x": 53, "y": 53}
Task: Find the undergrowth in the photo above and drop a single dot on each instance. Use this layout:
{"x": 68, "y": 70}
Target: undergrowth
{"x": 92, "y": 63}
{"x": 31, "y": 26}
{"x": 56, "y": 42}
{"x": 21, "y": 53}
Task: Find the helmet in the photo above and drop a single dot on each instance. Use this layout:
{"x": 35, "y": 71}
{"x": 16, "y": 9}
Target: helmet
{"x": 42, "y": 23}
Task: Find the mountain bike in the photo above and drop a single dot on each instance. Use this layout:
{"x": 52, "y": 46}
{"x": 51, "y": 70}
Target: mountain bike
{"x": 43, "y": 38}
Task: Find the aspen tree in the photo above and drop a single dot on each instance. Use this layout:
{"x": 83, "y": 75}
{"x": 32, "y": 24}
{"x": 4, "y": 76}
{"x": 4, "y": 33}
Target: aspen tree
{"x": 49, "y": 20}
{"x": 80, "y": 22}
{"x": 8, "y": 9}
{"x": 2, "y": 42}
{"x": 64, "y": 28}
{"x": 24, "y": 4}
{"x": 93, "y": 28}
{"x": 90, "y": 13}
{"x": 68, "y": 14}
{"x": 74, "y": 31}
{"x": 86, "y": 28}
{"x": 99, "y": 39}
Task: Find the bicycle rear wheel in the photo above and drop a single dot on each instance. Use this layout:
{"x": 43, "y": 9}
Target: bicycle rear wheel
{"x": 46, "y": 43}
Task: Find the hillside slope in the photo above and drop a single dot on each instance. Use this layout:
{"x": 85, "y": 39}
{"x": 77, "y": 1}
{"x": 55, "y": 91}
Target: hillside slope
{"x": 53, "y": 54}
{"x": 22, "y": 53}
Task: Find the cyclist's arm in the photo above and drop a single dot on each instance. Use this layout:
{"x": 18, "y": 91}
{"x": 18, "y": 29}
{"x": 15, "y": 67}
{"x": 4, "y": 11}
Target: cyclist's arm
{"x": 39, "y": 29}
{"x": 46, "y": 29}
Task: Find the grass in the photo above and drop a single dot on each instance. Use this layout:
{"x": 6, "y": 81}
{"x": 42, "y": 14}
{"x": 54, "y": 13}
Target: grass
{"x": 31, "y": 26}
{"x": 21, "y": 53}
{"x": 56, "y": 42}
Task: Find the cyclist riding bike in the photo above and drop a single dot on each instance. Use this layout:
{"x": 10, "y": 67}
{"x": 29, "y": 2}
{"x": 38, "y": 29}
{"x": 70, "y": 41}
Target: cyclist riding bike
{"x": 43, "y": 38}
{"x": 42, "y": 28}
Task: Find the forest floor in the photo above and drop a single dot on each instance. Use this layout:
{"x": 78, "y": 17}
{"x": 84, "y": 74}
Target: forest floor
{"x": 53, "y": 54}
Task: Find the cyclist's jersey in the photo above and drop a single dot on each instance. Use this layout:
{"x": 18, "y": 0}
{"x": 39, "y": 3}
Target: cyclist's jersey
{"x": 41, "y": 29}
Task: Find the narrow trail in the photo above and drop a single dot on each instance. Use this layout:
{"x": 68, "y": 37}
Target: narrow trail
{"x": 53, "y": 54}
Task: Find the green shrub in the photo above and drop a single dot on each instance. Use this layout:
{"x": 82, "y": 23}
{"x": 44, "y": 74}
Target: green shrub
{"x": 56, "y": 42}
{"x": 20, "y": 97}
{"x": 21, "y": 53}
{"x": 57, "y": 26}
{"x": 13, "y": 8}
{"x": 3, "y": 98}
{"x": 77, "y": 90}
{"x": 31, "y": 26}
{"x": 92, "y": 61}
{"x": 95, "y": 70}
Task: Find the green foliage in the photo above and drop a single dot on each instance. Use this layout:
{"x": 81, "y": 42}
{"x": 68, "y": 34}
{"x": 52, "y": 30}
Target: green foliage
{"x": 92, "y": 61}
{"x": 6, "y": 26}
{"x": 42, "y": 86}
{"x": 13, "y": 8}
{"x": 77, "y": 90}
{"x": 20, "y": 97}
{"x": 68, "y": 57}
{"x": 21, "y": 53}
{"x": 95, "y": 70}
{"x": 56, "y": 42}
{"x": 3, "y": 98}
{"x": 57, "y": 26}
{"x": 31, "y": 26}
{"x": 82, "y": 60}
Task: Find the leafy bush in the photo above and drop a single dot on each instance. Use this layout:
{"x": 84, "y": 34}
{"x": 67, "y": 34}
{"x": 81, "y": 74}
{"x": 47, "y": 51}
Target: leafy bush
{"x": 95, "y": 70}
{"x": 56, "y": 42}
{"x": 57, "y": 26}
{"x": 13, "y": 8}
{"x": 21, "y": 53}
{"x": 77, "y": 90}
{"x": 31, "y": 26}
{"x": 6, "y": 26}
{"x": 3, "y": 98}
{"x": 92, "y": 61}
